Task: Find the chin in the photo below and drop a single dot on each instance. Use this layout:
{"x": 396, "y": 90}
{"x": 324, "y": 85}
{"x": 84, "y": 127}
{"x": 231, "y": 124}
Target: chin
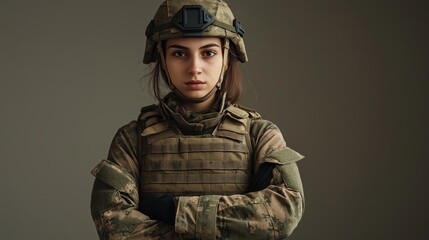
{"x": 196, "y": 95}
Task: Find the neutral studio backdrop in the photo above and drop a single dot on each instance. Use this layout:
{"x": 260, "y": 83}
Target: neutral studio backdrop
{"x": 346, "y": 81}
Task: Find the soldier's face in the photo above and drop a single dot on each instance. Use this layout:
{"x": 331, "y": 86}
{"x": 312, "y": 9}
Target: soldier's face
{"x": 194, "y": 65}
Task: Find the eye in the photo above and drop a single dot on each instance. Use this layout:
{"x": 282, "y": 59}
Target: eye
{"x": 209, "y": 53}
{"x": 178, "y": 54}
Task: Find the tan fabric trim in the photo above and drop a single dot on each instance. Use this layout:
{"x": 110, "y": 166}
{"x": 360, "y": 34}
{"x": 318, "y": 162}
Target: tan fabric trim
{"x": 156, "y": 128}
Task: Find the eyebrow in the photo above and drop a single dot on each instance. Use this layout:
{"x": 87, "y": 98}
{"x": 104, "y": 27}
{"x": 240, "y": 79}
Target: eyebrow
{"x": 202, "y": 47}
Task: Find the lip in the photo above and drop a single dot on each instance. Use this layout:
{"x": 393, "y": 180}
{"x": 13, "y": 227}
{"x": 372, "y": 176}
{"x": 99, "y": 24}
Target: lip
{"x": 195, "y": 84}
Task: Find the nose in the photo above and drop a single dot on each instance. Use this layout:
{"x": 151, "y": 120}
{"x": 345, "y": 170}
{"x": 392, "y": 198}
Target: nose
{"x": 195, "y": 65}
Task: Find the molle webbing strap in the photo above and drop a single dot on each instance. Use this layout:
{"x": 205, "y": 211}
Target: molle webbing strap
{"x": 195, "y": 177}
{"x": 188, "y": 165}
{"x": 190, "y": 145}
{"x": 196, "y": 164}
{"x": 196, "y": 189}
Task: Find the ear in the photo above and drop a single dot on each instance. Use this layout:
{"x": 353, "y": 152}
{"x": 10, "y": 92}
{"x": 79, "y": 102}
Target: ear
{"x": 225, "y": 67}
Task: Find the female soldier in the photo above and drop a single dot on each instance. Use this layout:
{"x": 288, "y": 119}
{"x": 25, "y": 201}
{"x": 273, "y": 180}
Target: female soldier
{"x": 197, "y": 165}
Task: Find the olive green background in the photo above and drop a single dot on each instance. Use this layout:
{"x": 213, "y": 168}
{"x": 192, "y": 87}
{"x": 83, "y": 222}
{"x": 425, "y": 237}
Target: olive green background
{"x": 346, "y": 81}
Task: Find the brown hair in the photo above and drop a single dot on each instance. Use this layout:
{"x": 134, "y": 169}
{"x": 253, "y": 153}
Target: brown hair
{"x": 231, "y": 82}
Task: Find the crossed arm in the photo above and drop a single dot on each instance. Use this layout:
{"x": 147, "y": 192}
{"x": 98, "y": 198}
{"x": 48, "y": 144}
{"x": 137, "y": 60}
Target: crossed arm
{"x": 270, "y": 213}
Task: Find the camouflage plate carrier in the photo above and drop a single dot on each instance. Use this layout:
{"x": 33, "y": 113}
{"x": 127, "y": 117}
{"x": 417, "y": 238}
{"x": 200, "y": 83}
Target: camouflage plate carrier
{"x": 217, "y": 163}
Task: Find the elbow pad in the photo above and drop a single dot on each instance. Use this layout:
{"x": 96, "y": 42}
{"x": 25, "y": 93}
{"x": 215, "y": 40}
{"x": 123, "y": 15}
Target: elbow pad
{"x": 113, "y": 185}
{"x": 285, "y": 159}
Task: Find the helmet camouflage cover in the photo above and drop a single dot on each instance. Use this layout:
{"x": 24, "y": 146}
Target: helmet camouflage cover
{"x": 193, "y": 18}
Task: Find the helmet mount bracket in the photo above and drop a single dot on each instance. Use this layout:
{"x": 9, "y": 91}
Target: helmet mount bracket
{"x": 192, "y": 19}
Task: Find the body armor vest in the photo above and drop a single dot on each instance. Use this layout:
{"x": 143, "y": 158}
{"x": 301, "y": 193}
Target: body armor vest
{"x": 216, "y": 163}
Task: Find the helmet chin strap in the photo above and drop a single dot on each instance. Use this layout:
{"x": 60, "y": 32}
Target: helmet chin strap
{"x": 216, "y": 88}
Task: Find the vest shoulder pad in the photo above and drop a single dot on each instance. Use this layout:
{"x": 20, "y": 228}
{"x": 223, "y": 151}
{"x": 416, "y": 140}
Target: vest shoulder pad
{"x": 147, "y": 112}
{"x": 152, "y": 121}
{"x": 243, "y": 112}
{"x": 234, "y": 124}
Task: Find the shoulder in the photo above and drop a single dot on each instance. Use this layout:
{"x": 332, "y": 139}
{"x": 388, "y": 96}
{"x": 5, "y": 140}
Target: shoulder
{"x": 130, "y": 130}
{"x": 263, "y": 125}
{"x": 257, "y": 122}
{"x": 257, "y": 125}
{"x": 126, "y": 135}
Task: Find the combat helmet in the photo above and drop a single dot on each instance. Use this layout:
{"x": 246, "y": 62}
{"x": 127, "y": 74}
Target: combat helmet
{"x": 193, "y": 18}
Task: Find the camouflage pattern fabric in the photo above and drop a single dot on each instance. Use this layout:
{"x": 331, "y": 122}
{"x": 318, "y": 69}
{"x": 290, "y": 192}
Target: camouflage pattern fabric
{"x": 219, "y": 10}
{"x": 272, "y": 213}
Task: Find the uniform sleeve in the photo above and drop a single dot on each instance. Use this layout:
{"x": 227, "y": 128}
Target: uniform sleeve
{"x": 272, "y": 213}
{"x": 115, "y": 198}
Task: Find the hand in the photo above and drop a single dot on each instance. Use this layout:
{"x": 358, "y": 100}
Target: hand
{"x": 262, "y": 178}
{"x": 162, "y": 208}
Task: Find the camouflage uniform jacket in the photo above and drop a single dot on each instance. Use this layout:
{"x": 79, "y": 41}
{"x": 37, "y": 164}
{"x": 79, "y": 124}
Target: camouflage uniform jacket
{"x": 272, "y": 213}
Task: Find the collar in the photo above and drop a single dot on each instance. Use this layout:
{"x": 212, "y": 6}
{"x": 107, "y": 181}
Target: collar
{"x": 192, "y": 122}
